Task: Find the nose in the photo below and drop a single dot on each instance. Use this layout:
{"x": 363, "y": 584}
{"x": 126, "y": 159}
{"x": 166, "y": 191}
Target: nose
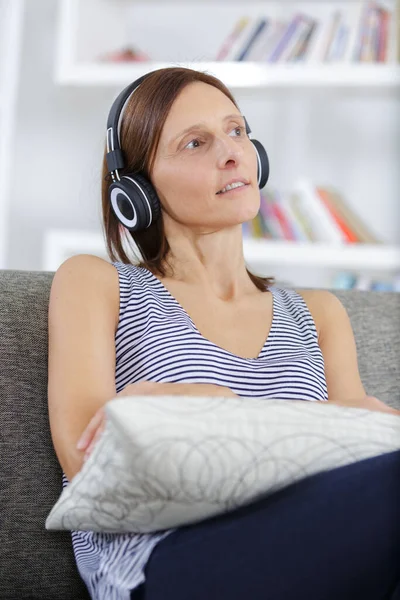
{"x": 229, "y": 152}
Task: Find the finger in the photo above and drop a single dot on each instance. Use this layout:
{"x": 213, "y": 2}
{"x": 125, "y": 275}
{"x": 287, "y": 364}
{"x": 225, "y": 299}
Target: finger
{"x": 93, "y": 442}
{"x": 90, "y": 430}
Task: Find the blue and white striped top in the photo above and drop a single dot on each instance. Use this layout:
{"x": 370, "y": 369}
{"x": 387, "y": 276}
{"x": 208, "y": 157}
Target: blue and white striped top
{"x": 156, "y": 340}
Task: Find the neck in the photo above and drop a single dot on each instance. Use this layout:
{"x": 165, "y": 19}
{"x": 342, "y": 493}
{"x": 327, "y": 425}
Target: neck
{"x": 212, "y": 261}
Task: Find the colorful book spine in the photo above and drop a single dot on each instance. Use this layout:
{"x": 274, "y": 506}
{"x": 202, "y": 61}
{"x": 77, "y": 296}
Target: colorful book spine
{"x": 349, "y": 234}
{"x": 285, "y": 38}
{"x": 301, "y": 29}
{"x": 361, "y": 33}
{"x": 269, "y": 216}
{"x": 300, "y": 49}
{"x": 280, "y": 216}
{"x": 357, "y": 225}
{"x": 232, "y": 38}
{"x": 257, "y": 49}
{"x": 353, "y": 18}
{"x": 383, "y": 34}
{"x": 335, "y": 22}
{"x": 295, "y": 204}
{"x": 236, "y": 39}
{"x": 323, "y": 225}
{"x": 256, "y": 32}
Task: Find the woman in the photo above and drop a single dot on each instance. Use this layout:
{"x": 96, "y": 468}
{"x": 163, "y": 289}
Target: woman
{"x": 191, "y": 319}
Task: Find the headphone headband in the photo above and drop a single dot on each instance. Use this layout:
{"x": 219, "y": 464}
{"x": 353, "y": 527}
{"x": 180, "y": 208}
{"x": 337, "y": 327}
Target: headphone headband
{"x": 114, "y": 157}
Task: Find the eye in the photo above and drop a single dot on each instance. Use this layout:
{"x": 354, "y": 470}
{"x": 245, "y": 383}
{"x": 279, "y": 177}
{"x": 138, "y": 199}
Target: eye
{"x": 193, "y": 144}
{"x": 238, "y": 130}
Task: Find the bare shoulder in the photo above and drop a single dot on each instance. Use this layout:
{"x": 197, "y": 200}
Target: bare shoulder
{"x": 87, "y": 269}
{"x": 320, "y": 303}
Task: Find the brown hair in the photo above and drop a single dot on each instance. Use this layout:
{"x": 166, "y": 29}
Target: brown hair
{"x": 143, "y": 119}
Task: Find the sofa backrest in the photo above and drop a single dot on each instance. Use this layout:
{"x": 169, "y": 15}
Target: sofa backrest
{"x": 36, "y": 563}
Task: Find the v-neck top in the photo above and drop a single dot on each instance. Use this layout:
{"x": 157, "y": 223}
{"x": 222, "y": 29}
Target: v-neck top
{"x": 156, "y": 340}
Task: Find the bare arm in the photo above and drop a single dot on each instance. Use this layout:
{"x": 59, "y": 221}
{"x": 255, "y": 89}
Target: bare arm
{"x": 83, "y": 310}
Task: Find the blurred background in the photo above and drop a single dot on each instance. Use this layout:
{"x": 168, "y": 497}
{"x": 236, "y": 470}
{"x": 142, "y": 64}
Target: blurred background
{"x": 318, "y": 81}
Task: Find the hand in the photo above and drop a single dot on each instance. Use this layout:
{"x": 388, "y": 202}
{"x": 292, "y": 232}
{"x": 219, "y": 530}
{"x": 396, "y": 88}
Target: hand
{"x": 368, "y": 402}
{"x": 97, "y": 424}
{"x": 92, "y": 433}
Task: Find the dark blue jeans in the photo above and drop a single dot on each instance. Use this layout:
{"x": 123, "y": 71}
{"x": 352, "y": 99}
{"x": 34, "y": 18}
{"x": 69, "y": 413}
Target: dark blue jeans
{"x": 331, "y": 536}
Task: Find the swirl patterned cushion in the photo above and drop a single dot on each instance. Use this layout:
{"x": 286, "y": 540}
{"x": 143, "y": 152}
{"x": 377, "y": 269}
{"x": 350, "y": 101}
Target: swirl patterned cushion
{"x": 165, "y": 461}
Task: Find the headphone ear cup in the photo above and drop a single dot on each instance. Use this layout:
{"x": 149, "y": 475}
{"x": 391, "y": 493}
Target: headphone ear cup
{"x": 134, "y": 202}
{"x": 262, "y": 163}
{"x": 151, "y": 196}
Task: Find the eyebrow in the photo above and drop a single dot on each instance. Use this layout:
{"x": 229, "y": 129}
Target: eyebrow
{"x": 201, "y": 123}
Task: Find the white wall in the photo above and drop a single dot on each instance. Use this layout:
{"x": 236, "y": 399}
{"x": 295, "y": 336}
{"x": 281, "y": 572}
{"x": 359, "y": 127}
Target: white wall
{"x": 351, "y": 140}
{"x": 58, "y": 148}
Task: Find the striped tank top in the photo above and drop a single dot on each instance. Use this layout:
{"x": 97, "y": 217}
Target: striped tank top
{"x": 156, "y": 340}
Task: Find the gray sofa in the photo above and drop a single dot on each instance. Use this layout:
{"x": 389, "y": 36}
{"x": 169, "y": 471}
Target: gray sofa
{"x": 39, "y": 564}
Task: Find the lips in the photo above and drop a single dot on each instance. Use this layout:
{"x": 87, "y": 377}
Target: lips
{"x": 233, "y": 182}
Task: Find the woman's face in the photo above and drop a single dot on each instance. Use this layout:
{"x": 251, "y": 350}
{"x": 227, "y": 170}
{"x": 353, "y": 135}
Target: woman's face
{"x": 203, "y": 148}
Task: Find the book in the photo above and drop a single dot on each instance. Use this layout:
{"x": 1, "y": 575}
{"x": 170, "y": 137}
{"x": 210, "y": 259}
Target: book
{"x": 383, "y": 34}
{"x": 269, "y": 217}
{"x": 257, "y": 49}
{"x": 298, "y": 231}
{"x": 393, "y": 32}
{"x": 320, "y": 219}
{"x": 301, "y": 29}
{"x": 359, "y": 228}
{"x": 369, "y": 51}
{"x": 235, "y": 34}
{"x": 237, "y": 41}
{"x": 362, "y": 34}
{"x": 284, "y": 38}
{"x": 353, "y": 17}
{"x": 318, "y": 43}
{"x": 280, "y": 216}
{"x": 275, "y": 32}
{"x": 324, "y": 196}
{"x": 300, "y": 50}
{"x": 257, "y": 227}
{"x": 302, "y": 220}
{"x": 396, "y": 32}
{"x": 255, "y": 32}
{"x": 339, "y": 44}
{"x": 334, "y": 24}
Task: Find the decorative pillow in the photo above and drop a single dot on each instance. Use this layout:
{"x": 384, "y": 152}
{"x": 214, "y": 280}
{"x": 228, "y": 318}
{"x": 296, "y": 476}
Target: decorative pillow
{"x": 165, "y": 461}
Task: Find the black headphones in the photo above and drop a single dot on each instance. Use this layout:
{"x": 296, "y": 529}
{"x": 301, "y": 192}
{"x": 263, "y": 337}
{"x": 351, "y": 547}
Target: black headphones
{"x": 132, "y": 196}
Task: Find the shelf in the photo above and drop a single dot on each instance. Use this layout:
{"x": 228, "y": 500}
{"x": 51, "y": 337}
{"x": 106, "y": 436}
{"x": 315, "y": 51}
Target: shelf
{"x": 343, "y": 256}
{"x": 60, "y": 244}
{"x": 241, "y": 74}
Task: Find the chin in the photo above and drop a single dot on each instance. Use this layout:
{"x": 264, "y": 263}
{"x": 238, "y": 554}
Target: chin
{"x": 250, "y": 213}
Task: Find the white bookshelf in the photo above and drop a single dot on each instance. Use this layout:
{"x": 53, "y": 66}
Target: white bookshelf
{"x": 11, "y": 15}
{"x": 242, "y": 75}
{"x": 82, "y": 39}
{"x": 60, "y": 244}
